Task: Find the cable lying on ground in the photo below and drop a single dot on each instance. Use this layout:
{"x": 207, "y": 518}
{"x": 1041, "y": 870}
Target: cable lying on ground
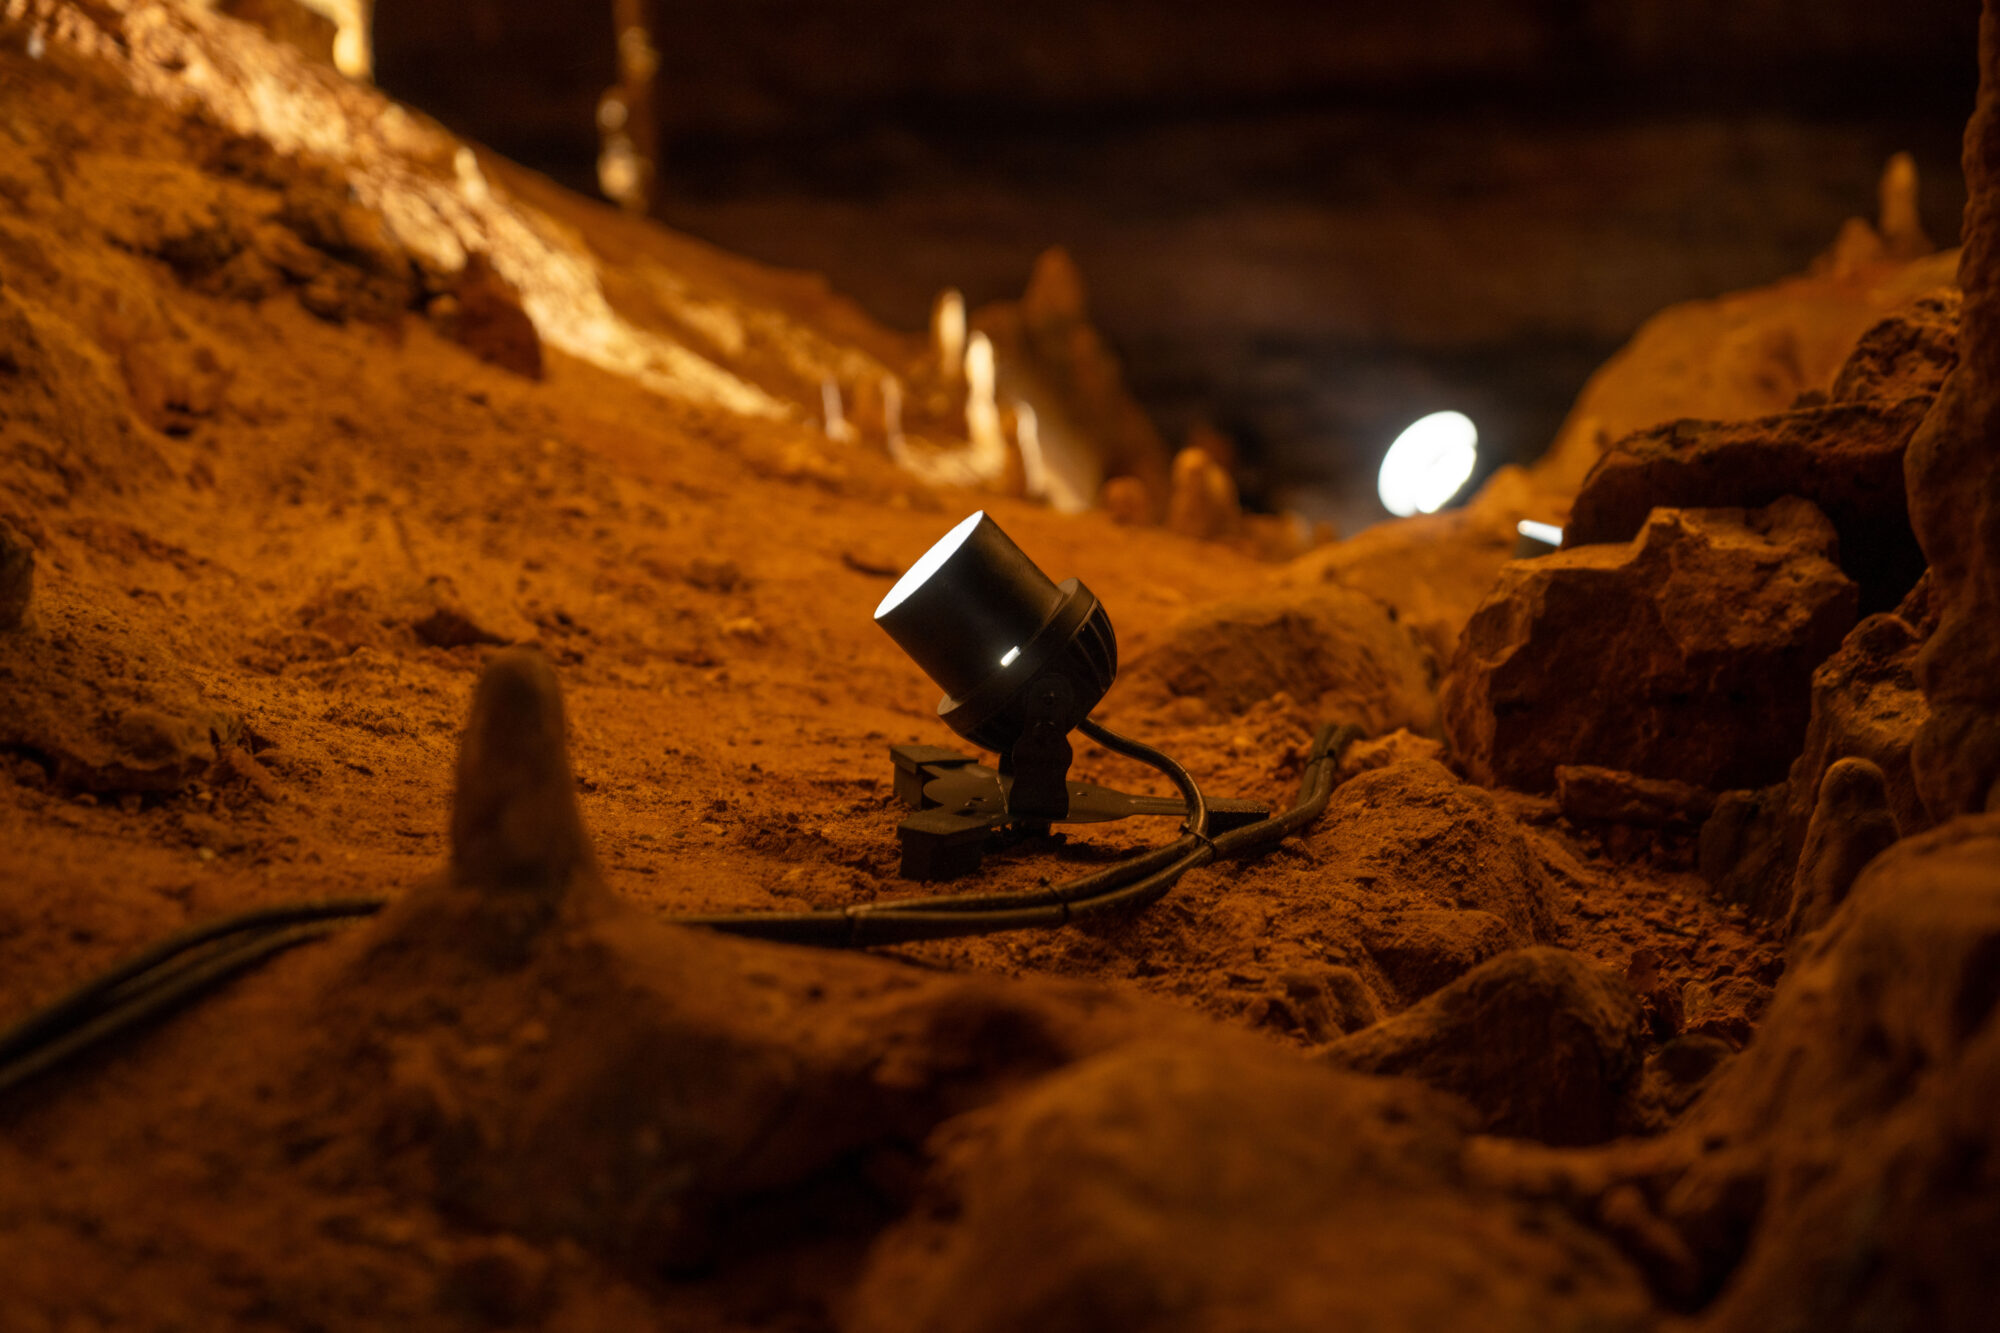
{"x": 186, "y": 965}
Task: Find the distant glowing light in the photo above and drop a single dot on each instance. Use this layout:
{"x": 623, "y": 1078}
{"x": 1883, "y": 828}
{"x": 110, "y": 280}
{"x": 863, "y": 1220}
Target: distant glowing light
{"x": 38, "y": 45}
{"x": 919, "y": 573}
{"x": 1007, "y": 659}
{"x": 1547, "y": 533}
{"x": 1428, "y": 464}
{"x": 611, "y": 113}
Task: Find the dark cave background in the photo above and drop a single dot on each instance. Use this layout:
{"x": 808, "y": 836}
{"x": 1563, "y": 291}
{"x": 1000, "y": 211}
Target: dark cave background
{"x": 1305, "y": 223}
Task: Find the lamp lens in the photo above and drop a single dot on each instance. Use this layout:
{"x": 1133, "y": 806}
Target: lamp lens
{"x": 918, "y": 574}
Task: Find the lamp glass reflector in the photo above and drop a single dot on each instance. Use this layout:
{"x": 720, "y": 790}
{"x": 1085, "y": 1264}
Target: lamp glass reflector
{"x": 918, "y": 574}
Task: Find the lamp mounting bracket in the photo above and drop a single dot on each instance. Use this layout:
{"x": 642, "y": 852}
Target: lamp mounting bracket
{"x": 962, "y": 809}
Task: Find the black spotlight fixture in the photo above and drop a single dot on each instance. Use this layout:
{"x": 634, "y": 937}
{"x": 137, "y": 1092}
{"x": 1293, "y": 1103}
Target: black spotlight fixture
{"x": 1022, "y": 661}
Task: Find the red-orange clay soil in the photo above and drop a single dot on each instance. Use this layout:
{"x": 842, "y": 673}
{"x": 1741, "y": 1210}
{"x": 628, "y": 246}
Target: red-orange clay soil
{"x": 1546, "y": 1049}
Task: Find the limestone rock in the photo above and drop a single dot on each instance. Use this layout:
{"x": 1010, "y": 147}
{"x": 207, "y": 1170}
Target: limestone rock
{"x": 1865, "y": 705}
{"x": 1319, "y": 1002}
{"x": 1590, "y": 795}
{"x": 1052, "y": 358}
{"x": 1415, "y": 839}
{"x": 1856, "y": 1134}
{"x": 1953, "y": 475}
{"x": 1851, "y": 826}
{"x": 1177, "y": 1188}
{"x": 17, "y": 577}
{"x": 1433, "y": 570}
{"x": 1684, "y": 655}
{"x": 104, "y": 720}
{"x": 1541, "y": 1042}
{"x": 1908, "y": 354}
{"x": 487, "y": 320}
{"x": 1847, "y": 458}
{"x": 1339, "y": 654}
{"x": 1202, "y": 502}
{"x": 1423, "y": 951}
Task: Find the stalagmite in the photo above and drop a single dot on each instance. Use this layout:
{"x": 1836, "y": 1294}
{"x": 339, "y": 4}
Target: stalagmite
{"x": 1851, "y": 825}
{"x": 948, "y": 332}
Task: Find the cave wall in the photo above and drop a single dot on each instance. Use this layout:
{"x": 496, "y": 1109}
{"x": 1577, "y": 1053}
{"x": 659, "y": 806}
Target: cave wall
{"x": 1307, "y": 224}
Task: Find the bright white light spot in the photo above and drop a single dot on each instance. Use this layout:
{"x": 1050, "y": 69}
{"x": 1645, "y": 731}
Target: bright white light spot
{"x": 38, "y": 45}
{"x": 1008, "y": 659}
{"x": 1428, "y": 464}
{"x": 1547, "y": 533}
{"x": 919, "y": 573}
{"x": 611, "y": 113}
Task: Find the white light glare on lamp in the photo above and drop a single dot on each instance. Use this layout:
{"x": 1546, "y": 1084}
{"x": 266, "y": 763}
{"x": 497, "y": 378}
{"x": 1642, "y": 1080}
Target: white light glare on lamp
{"x": 1428, "y": 464}
{"x": 1546, "y": 533}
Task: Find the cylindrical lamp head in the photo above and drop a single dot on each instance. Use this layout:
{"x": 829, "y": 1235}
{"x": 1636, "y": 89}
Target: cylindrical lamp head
{"x": 970, "y": 601}
{"x": 984, "y": 623}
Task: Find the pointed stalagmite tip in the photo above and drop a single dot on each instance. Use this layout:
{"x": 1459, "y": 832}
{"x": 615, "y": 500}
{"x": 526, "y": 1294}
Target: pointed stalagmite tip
{"x": 514, "y": 820}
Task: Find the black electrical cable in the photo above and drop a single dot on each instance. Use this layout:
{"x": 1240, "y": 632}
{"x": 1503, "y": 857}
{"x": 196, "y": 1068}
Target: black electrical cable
{"x": 158, "y": 999}
{"x": 1124, "y": 887}
{"x": 129, "y": 979}
{"x": 187, "y": 964}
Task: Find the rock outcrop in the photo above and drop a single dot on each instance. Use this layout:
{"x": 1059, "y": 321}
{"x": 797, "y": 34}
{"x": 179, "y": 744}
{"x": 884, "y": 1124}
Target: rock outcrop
{"x": 1953, "y": 476}
{"x": 1542, "y": 1043}
{"x": 1856, "y": 1135}
{"x": 1339, "y": 653}
{"x": 1847, "y": 458}
{"x": 1683, "y": 655}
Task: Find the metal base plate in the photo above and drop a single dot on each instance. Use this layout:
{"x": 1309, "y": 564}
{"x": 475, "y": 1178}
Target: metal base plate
{"x": 962, "y": 811}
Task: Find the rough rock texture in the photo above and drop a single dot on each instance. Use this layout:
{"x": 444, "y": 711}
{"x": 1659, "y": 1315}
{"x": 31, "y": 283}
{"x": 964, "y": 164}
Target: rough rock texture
{"x": 1605, "y": 796}
{"x": 1703, "y": 631}
{"x": 1544, "y": 1045}
{"x": 1161, "y": 1187}
{"x": 17, "y": 577}
{"x": 1908, "y": 354}
{"x": 1851, "y": 825}
{"x": 1433, "y": 569}
{"x": 1427, "y": 949}
{"x": 1953, "y": 476}
{"x": 1448, "y": 834}
{"x": 1057, "y": 1154}
{"x": 1856, "y": 1134}
{"x": 1865, "y": 704}
{"x": 1847, "y": 458}
{"x": 1340, "y": 654}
